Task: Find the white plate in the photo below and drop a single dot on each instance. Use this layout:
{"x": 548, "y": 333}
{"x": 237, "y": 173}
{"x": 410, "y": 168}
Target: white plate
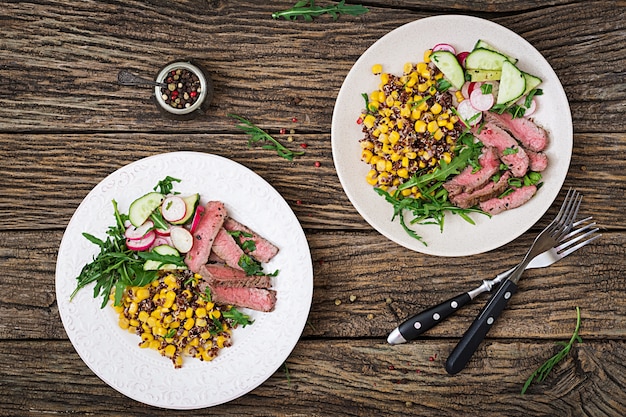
{"x": 258, "y": 350}
{"x": 407, "y": 44}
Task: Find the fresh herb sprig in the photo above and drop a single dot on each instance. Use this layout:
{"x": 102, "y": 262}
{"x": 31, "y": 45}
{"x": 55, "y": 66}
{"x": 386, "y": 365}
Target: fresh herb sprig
{"x": 308, "y": 10}
{"x": 259, "y": 135}
{"x": 542, "y": 372}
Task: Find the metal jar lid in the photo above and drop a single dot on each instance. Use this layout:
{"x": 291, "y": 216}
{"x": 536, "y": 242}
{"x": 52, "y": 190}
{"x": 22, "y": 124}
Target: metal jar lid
{"x": 203, "y": 90}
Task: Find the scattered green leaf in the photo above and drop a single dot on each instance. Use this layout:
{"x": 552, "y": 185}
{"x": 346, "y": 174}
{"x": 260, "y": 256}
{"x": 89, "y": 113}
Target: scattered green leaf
{"x": 308, "y": 10}
{"x": 259, "y": 135}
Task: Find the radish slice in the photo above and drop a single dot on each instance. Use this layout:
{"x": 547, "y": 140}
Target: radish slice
{"x": 134, "y": 233}
{"x": 161, "y": 232}
{"x": 461, "y": 57}
{"x": 468, "y": 113}
{"x": 532, "y": 108}
{"x": 444, "y": 47}
{"x": 196, "y": 218}
{"x": 161, "y": 240}
{"x": 141, "y": 244}
{"x": 173, "y": 208}
{"x": 480, "y": 101}
{"x": 181, "y": 239}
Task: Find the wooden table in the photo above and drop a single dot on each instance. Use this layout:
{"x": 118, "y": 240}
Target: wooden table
{"x": 66, "y": 125}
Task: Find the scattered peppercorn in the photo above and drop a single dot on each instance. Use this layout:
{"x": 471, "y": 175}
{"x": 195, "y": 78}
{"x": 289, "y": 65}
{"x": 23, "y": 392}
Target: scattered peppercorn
{"x": 303, "y": 145}
{"x": 318, "y": 164}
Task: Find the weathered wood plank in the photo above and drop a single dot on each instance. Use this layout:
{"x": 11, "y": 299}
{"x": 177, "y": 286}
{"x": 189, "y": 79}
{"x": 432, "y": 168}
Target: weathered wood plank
{"x": 390, "y": 283}
{"x": 291, "y": 69}
{"x": 348, "y": 378}
{"x": 44, "y": 174}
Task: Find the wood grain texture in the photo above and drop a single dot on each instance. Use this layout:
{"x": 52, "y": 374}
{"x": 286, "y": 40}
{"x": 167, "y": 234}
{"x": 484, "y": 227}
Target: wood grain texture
{"x": 375, "y": 379}
{"x": 270, "y": 72}
{"x": 65, "y": 125}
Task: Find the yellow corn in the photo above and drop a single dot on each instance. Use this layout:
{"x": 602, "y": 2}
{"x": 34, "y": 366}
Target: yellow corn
{"x": 377, "y": 69}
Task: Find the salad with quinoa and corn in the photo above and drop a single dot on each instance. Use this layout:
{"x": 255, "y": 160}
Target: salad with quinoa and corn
{"x": 453, "y": 134}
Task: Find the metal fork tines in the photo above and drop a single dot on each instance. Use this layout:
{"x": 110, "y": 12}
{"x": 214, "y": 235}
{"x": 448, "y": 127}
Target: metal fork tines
{"x": 553, "y": 234}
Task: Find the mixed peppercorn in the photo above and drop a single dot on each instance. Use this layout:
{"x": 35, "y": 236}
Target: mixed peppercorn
{"x": 183, "y": 88}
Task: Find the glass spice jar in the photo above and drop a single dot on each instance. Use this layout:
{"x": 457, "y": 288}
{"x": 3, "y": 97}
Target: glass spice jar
{"x": 188, "y": 93}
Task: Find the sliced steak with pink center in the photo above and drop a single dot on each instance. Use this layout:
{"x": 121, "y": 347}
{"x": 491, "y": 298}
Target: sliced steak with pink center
{"x": 264, "y": 251}
{"x": 525, "y": 130}
{"x": 227, "y": 249}
{"x": 225, "y": 276}
{"x": 515, "y": 199}
{"x": 259, "y": 299}
{"x": 510, "y": 152}
{"x": 490, "y": 190}
{"x": 468, "y": 181}
{"x": 204, "y": 235}
{"x": 538, "y": 161}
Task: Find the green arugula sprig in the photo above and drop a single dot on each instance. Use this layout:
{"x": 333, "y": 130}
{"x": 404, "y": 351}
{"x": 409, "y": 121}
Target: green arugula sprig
{"x": 433, "y": 204}
{"x": 542, "y": 372}
{"x": 259, "y": 135}
{"x": 308, "y": 10}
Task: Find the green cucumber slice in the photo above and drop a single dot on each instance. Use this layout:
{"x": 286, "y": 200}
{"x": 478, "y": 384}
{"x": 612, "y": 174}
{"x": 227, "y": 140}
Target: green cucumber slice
{"x": 512, "y": 84}
{"x": 140, "y": 209}
{"x": 484, "y": 59}
{"x": 483, "y": 75}
{"x": 484, "y": 45}
{"x": 531, "y": 82}
{"x": 191, "y": 201}
{"x": 151, "y": 265}
{"x": 448, "y": 64}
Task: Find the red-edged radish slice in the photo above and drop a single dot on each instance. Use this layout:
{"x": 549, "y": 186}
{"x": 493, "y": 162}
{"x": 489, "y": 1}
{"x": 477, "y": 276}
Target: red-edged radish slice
{"x": 196, "y": 218}
{"x": 173, "y": 208}
{"x": 480, "y": 101}
{"x": 161, "y": 232}
{"x": 467, "y": 88}
{"x": 182, "y": 239}
{"x": 444, "y": 47}
{"x": 461, "y": 57}
{"x": 468, "y": 113}
{"x": 141, "y": 244}
{"x": 134, "y": 233}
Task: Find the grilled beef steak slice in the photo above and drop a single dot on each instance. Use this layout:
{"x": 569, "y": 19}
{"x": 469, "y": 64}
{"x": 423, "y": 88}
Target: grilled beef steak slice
{"x": 510, "y": 201}
{"x": 523, "y": 129}
{"x": 468, "y": 181}
{"x": 490, "y": 190}
{"x": 264, "y": 251}
{"x": 538, "y": 161}
{"x": 227, "y": 249}
{"x": 509, "y": 151}
{"x": 259, "y": 299}
{"x": 210, "y": 224}
{"x": 225, "y": 276}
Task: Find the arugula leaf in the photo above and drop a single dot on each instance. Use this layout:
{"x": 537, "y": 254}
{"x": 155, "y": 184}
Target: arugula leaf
{"x": 166, "y": 185}
{"x": 237, "y": 317}
{"x": 259, "y": 135}
{"x": 308, "y": 10}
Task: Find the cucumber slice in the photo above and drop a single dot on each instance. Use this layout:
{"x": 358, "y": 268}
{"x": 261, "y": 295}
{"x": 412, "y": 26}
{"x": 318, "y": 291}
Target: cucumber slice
{"x": 448, "y": 64}
{"x": 512, "y": 84}
{"x": 191, "y": 201}
{"x": 151, "y": 265}
{"x": 484, "y": 59}
{"x": 484, "y": 45}
{"x": 483, "y": 75}
{"x": 531, "y": 82}
{"x": 140, "y": 209}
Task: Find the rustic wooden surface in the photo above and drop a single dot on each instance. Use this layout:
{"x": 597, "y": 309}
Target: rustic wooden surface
{"x": 65, "y": 125}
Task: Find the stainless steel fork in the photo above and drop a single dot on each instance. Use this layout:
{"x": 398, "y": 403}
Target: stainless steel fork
{"x": 416, "y": 325}
{"x": 550, "y": 237}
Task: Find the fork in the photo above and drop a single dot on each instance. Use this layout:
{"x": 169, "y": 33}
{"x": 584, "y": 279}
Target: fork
{"x": 418, "y": 324}
{"x": 549, "y": 237}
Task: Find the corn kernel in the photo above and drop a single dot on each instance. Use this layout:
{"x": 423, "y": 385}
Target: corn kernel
{"x": 170, "y": 351}
{"x": 366, "y": 155}
{"x": 189, "y": 323}
{"x": 438, "y": 135}
{"x": 369, "y": 121}
{"x": 143, "y": 316}
{"x": 124, "y": 323}
{"x": 377, "y": 69}
{"x": 420, "y": 126}
{"x": 394, "y": 137}
{"x": 446, "y": 157}
{"x": 403, "y": 173}
{"x": 432, "y": 126}
{"x": 436, "y": 108}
